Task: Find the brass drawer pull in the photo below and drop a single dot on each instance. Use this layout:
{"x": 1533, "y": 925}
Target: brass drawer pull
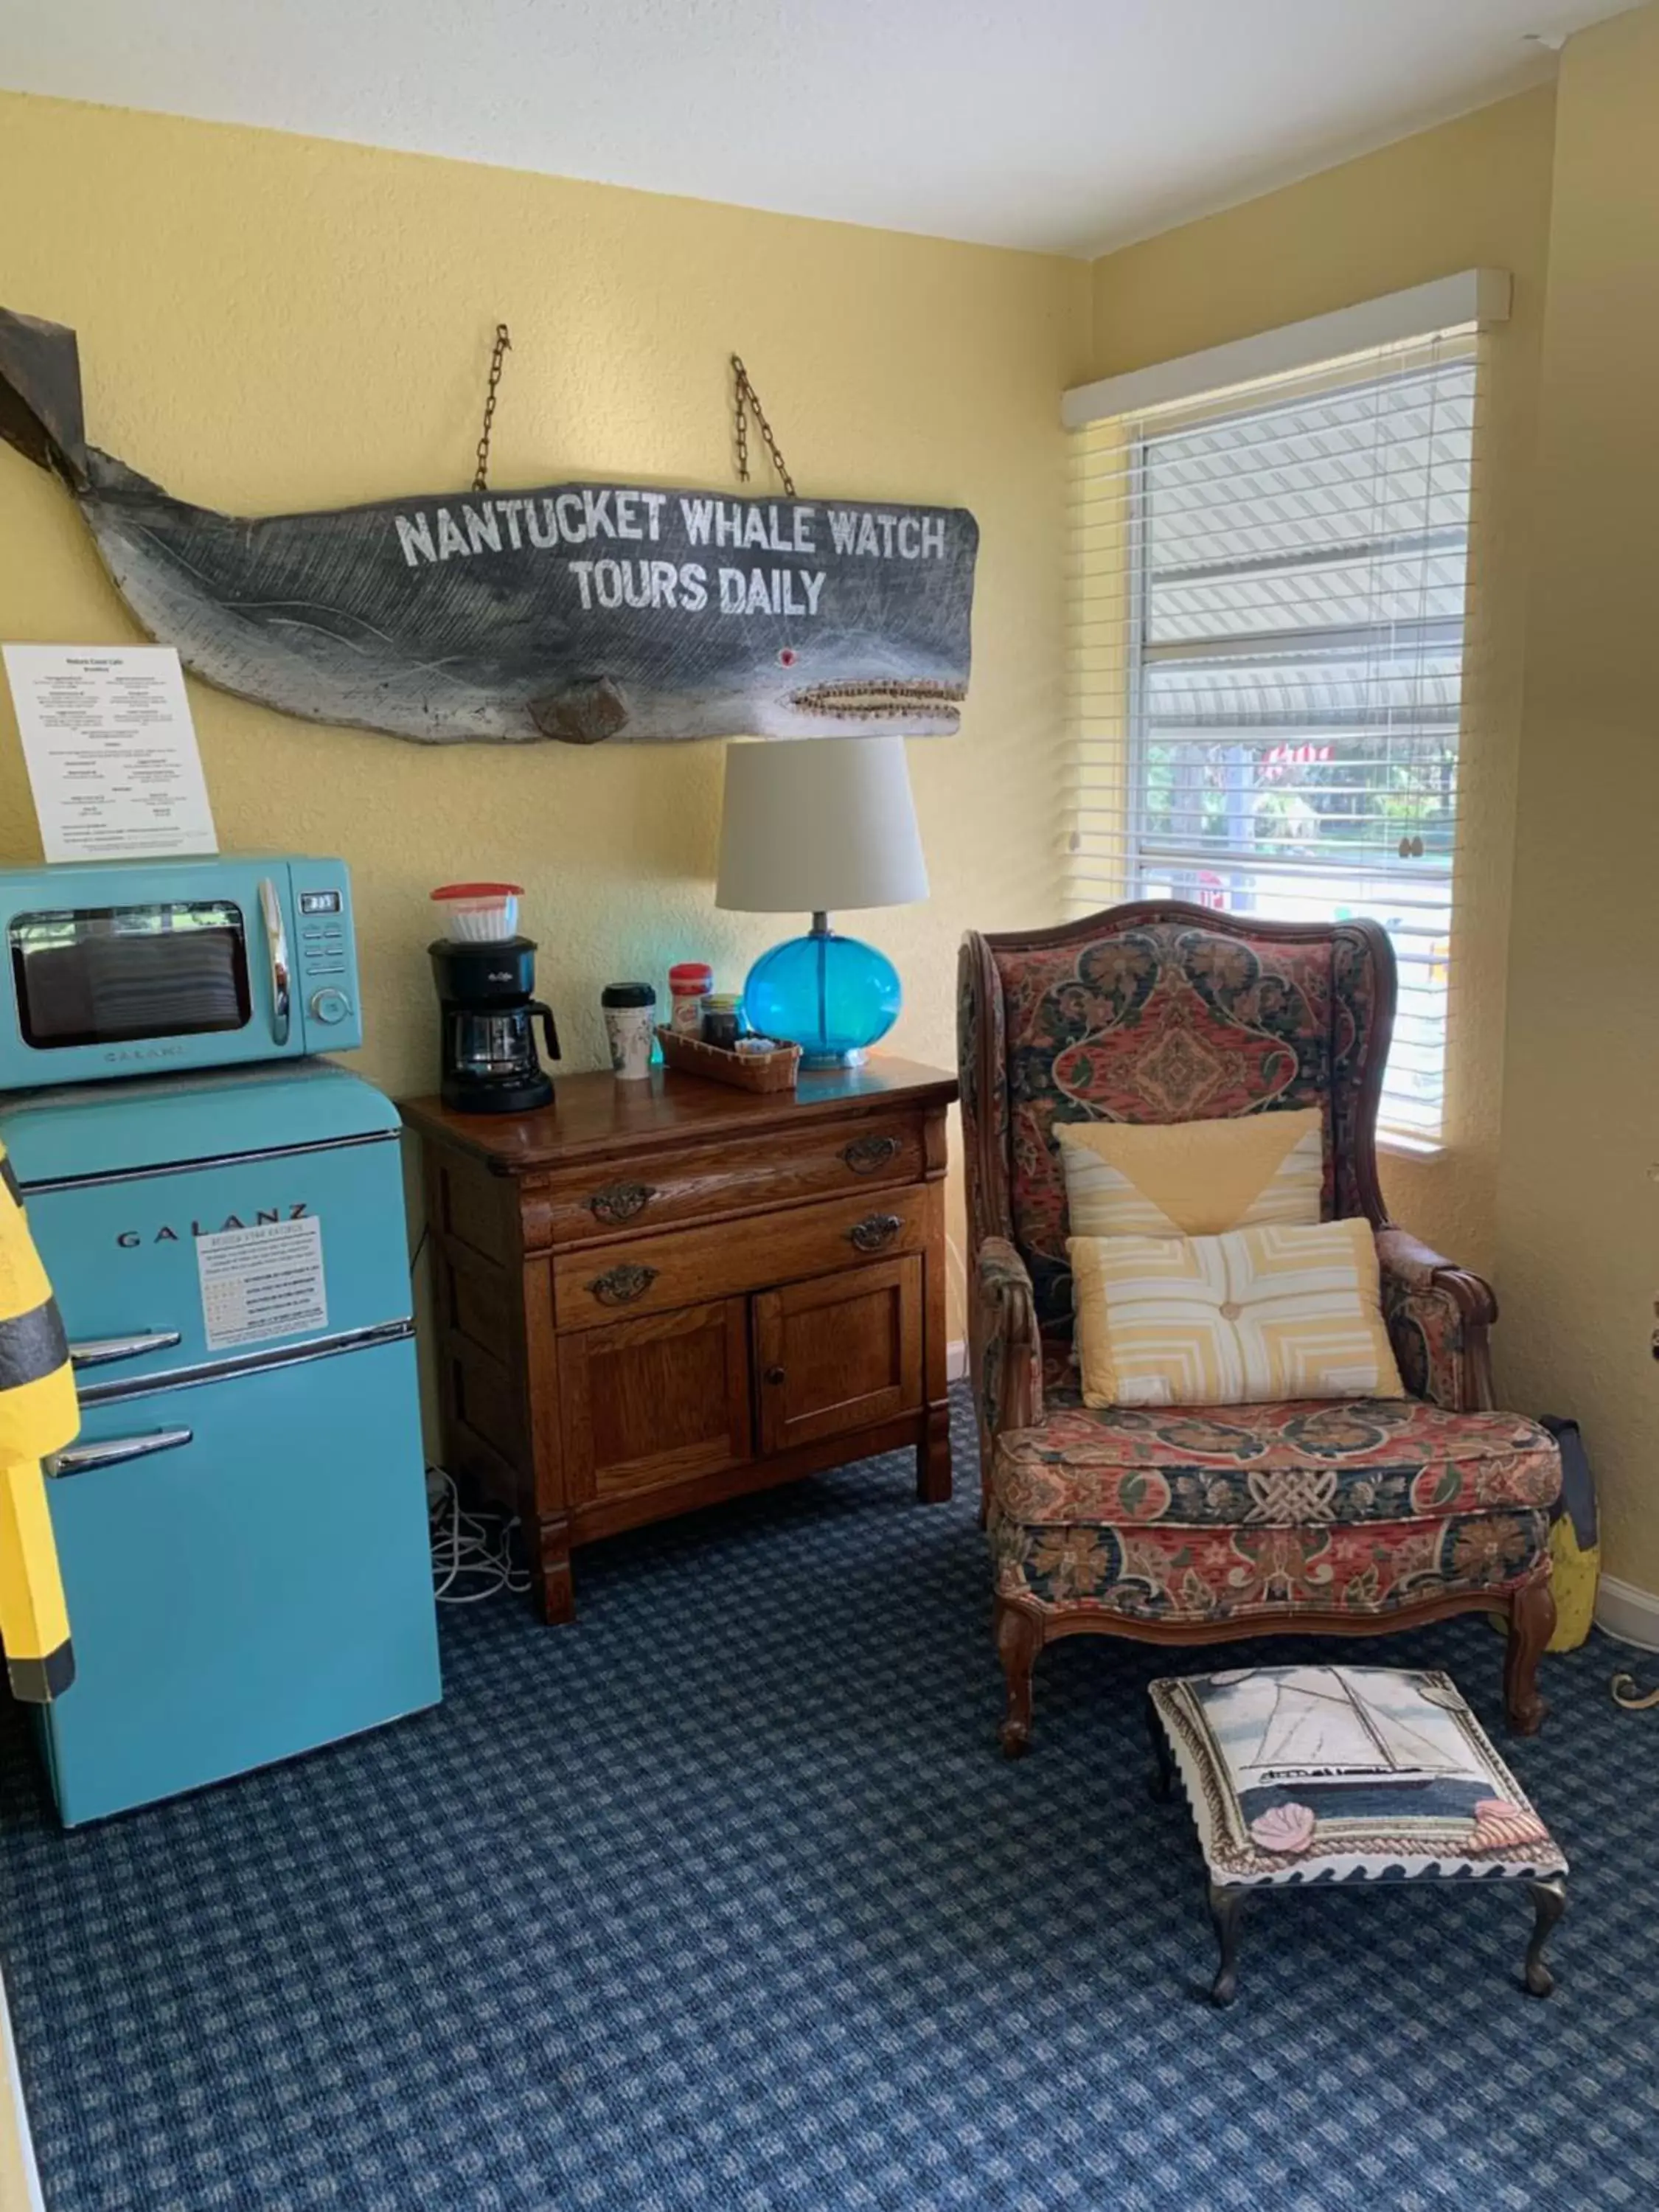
{"x": 874, "y": 1231}
{"x": 866, "y": 1155}
{"x": 620, "y": 1201}
{"x": 620, "y": 1285}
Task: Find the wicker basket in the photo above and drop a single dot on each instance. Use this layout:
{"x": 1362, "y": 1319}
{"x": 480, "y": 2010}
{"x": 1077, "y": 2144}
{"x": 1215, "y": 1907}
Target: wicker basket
{"x": 743, "y": 1071}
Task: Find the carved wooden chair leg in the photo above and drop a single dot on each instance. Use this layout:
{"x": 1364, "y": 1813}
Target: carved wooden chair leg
{"x": 1549, "y": 1902}
{"x": 1227, "y": 1911}
{"x": 1162, "y": 1778}
{"x": 1019, "y": 1638}
{"x": 1532, "y": 1624}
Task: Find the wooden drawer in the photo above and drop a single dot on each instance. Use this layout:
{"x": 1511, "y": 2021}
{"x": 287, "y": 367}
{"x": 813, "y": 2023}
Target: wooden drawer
{"x": 652, "y": 1274}
{"x": 697, "y": 1183}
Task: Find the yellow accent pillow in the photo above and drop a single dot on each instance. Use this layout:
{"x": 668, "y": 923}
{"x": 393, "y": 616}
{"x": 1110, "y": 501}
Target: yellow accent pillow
{"x": 1192, "y": 1178}
{"x": 1230, "y": 1321}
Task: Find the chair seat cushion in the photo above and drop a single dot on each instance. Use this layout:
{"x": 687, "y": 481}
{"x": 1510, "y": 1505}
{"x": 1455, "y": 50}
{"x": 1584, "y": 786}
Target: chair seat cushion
{"x": 1307, "y": 1505}
{"x": 1278, "y": 1465}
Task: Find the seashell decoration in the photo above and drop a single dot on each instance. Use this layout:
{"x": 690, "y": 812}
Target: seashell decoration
{"x": 1500, "y": 1825}
{"x": 1286, "y": 1829}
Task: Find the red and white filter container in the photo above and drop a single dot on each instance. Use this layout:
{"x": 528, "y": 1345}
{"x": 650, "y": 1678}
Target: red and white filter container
{"x": 479, "y": 914}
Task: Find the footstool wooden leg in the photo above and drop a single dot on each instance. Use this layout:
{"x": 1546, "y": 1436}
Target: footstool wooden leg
{"x": 1227, "y": 1911}
{"x": 1019, "y": 1638}
{"x": 1549, "y": 1902}
{"x": 1162, "y": 1778}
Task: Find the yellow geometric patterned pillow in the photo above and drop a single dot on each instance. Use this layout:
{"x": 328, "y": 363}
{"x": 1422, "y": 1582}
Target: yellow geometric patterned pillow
{"x": 1230, "y": 1321}
{"x": 1192, "y": 1178}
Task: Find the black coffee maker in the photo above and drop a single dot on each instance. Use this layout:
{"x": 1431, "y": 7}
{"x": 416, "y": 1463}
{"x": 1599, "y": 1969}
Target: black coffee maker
{"x": 489, "y": 1060}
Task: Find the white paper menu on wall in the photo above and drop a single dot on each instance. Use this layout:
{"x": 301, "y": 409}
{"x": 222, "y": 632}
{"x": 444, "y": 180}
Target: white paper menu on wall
{"x": 111, "y": 750}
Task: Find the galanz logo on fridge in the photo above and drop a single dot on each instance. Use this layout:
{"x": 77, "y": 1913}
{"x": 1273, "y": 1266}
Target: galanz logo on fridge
{"x": 167, "y": 1234}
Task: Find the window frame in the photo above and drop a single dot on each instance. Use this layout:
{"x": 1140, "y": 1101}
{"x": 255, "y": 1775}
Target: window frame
{"x": 1140, "y": 434}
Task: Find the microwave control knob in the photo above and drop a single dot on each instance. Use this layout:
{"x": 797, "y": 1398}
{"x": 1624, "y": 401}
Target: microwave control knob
{"x": 329, "y": 1006}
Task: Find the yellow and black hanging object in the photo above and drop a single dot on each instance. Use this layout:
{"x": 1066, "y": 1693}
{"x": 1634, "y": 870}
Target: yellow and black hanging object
{"x": 38, "y": 1415}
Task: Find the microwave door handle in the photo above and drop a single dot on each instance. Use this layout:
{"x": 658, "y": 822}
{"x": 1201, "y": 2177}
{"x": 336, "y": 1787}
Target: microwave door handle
{"x": 81, "y": 1459}
{"x": 271, "y": 909}
{"x": 100, "y": 1351}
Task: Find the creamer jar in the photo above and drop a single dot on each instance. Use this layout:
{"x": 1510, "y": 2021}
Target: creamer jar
{"x": 687, "y": 983}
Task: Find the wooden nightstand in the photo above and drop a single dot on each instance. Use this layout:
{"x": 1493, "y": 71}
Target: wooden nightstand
{"x": 652, "y": 1295}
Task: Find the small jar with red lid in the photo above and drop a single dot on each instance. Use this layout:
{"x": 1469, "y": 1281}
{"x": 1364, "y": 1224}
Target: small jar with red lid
{"x": 688, "y": 982}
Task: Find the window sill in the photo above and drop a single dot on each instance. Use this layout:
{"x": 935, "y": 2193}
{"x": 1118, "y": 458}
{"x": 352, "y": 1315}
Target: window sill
{"x": 1411, "y": 1148}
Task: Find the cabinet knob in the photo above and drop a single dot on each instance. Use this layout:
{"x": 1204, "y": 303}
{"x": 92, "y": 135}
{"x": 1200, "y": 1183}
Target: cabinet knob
{"x": 874, "y": 1231}
{"x": 620, "y": 1285}
{"x": 774, "y": 1375}
{"x": 866, "y": 1155}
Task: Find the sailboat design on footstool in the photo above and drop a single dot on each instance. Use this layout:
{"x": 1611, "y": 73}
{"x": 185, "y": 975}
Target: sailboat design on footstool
{"x": 1302, "y": 1776}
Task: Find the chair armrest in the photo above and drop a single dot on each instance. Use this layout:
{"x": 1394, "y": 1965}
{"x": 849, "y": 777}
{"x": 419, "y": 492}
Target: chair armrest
{"x": 1007, "y": 1349}
{"x": 1439, "y": 1316}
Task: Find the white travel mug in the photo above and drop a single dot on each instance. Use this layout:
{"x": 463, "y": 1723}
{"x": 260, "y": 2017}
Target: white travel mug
{"x": 629, "y": 1023}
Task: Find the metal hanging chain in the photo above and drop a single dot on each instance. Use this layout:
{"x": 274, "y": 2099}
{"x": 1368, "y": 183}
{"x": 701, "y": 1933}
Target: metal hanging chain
{"x": 746, "y": 395}
{"x": 503, "y": 344}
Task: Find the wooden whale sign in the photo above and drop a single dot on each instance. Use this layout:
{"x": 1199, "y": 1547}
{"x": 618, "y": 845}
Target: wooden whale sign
{"x": 581, "y": 612}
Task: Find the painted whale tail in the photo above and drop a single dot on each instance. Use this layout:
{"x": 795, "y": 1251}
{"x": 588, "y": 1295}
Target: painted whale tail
{"x": 41, "y": 396}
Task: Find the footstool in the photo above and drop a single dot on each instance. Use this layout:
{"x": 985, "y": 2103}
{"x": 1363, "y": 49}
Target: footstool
{"x": 1303, "y": 1777}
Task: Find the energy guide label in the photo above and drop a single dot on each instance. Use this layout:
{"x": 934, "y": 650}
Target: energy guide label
{"x": 262, "y": 1283}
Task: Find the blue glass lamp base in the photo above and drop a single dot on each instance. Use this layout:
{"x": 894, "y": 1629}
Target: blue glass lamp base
{"x": 833, "y": 996}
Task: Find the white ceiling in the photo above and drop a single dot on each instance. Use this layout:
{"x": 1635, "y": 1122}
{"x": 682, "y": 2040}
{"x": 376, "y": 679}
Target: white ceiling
{"x": 1070, "y": 125}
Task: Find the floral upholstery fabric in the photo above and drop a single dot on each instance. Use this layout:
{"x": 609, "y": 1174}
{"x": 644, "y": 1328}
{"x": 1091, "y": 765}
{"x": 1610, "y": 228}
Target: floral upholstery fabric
{"x": 1203, "y": 1513}
{"x": 1427, "y": 1330}
{"x": 1217, "y": 1574}
{"x": 1009, "y": 1361}
{"x": 1168, "y": 1021}
{"x": 1214, "y": 1513}
{"x": 1279, "y": 1465}
{"x": 982, "y": 1108}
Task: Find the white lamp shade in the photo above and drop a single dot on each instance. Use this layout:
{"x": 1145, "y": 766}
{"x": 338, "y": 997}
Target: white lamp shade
{"x": 818, "y": 825}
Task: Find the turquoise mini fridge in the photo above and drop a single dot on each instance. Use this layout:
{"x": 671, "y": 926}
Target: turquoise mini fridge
{"x": 241, "y": 1523}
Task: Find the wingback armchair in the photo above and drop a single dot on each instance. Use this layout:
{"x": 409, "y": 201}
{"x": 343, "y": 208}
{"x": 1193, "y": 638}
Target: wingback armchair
{"x": 1193, "y": 1525}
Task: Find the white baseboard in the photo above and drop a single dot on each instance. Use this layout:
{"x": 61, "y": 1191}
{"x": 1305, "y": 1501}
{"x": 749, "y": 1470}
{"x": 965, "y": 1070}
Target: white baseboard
{"x": 956, "y": 1363}
{"x": 1630, "y": 1614}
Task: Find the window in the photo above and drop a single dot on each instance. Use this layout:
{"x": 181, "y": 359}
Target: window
{"x": 1268, "y": 615}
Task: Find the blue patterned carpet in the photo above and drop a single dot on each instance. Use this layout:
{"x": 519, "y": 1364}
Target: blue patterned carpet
{"x": 723, "y": 1900}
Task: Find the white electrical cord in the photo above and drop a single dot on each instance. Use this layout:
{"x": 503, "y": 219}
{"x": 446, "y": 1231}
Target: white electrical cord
{"x": 471, "y": 1554}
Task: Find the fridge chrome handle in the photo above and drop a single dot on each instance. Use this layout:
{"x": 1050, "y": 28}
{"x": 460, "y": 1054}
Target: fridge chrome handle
{"x": 271, "y": 909}
{"x": 100, "y": 1351}
{"x": 81, "y": 1459}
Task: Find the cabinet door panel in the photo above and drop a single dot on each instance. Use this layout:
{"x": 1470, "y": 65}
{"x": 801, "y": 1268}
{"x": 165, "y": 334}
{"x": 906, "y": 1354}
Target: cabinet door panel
{"x": 653, "y": 1400}
{"x": 838, "y": 1352}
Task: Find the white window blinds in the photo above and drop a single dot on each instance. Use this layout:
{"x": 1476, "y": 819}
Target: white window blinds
{"x": 1268, "y": 599}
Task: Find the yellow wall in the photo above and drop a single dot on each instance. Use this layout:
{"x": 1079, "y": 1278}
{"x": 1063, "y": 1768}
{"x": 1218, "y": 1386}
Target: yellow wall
{"x": 270, "y": 322}
{"x": 1473, "y": 193}
{"x": 1579, "y": 1192}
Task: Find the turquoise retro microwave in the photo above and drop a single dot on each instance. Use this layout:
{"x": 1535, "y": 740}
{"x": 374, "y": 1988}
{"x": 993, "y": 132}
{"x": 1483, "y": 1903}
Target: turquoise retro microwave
{"x": 148, "y": 967}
